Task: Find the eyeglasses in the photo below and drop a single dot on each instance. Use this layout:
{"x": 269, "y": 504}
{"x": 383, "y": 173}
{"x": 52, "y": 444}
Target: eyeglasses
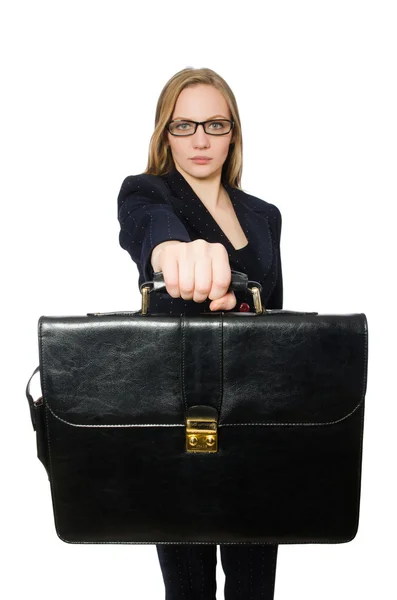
{"x": 214, "y": 127}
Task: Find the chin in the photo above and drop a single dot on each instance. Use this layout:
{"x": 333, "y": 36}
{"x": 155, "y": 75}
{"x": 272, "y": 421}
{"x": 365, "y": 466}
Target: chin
{"x": 206, "y": 170}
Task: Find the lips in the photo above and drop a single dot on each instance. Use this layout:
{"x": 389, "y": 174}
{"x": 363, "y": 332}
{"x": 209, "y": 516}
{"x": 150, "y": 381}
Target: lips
{"x": 201, "y": 160}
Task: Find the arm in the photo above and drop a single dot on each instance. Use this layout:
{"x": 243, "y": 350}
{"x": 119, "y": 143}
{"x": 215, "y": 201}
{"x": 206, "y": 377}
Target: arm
{"x": 276, "y": 297}
{"x": 146, "y": 220}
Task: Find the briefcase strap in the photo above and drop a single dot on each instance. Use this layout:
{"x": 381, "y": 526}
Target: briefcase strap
{"x": 33, "y": 404}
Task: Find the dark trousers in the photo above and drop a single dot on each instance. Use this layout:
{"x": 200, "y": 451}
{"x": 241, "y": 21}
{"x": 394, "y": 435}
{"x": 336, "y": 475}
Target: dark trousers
{"x": 189, "y": 571}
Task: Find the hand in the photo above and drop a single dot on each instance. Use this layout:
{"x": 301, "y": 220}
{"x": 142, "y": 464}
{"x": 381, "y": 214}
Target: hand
{"x": 195, "y": 271}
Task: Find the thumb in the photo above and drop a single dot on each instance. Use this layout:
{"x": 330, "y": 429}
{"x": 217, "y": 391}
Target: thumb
{"x": 226, "y": 302}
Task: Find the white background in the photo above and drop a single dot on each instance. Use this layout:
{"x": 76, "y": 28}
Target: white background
{"x": 315, "y": 83}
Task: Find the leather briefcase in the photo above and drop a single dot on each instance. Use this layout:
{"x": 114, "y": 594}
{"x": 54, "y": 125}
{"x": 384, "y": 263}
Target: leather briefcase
{"x": 222, "y": 428}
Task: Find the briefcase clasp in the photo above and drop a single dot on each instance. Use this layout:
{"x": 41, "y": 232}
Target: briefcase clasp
{"x": 202, "y": 429}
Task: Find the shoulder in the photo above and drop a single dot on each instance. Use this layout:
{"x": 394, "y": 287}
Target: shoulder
{"x": 260, "y": 206}
{"x": 143, "y": 184}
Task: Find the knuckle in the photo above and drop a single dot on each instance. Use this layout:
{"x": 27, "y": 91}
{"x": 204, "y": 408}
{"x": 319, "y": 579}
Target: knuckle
{"x": 187, "y": 291}
{"x": 200, "y": 242}
{"x": 172, "y": 292}
{"x": 219, "y": 247}
{"x": 201, "y": 290}
{"x": 171, "y": 286}
{"x": 222, "y": 281}
{"x": 171, "y": 282}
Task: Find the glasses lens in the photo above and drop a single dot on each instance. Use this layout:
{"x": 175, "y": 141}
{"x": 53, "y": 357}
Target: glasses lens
{"x": 182, "y": 127}
{"x": 216, "y": 127}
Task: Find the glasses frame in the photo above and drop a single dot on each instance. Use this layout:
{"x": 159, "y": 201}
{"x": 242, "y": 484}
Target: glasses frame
{"x": 197, "y": 123}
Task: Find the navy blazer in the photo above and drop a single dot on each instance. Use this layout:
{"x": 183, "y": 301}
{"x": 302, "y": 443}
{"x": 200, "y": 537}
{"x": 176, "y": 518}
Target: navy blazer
{"x": 156, "y": 208}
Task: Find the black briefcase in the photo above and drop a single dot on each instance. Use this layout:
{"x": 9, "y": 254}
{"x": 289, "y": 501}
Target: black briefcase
{"x": 229, "y": 427}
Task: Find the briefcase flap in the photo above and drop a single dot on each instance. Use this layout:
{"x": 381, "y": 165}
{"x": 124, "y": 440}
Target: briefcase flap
{"x": 274, "y": 368}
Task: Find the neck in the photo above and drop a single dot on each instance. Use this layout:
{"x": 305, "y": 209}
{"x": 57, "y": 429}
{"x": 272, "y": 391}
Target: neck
{"x": 208, "y": 189}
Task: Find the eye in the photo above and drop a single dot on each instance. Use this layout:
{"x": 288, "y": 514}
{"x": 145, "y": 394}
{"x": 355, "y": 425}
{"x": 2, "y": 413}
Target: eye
{"x": 183, "y": 125}
{"x": 216, "y": 124}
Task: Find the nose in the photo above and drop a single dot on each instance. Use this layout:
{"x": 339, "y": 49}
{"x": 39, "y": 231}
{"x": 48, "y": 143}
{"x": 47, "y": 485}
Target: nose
{"x": 200, "y": 137}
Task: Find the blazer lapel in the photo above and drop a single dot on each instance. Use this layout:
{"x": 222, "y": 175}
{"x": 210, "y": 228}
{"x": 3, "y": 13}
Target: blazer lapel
{"x": 197, "y": 218}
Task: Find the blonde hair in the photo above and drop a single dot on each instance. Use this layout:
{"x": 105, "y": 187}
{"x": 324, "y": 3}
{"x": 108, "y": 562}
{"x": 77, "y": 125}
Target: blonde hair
{"x": 160, "y": 159}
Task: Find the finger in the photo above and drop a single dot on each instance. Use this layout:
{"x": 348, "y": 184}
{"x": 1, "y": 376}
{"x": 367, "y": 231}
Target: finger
{"x": 171, "y": 277}
{"x": 202, "y": 279}
{"x": 227, "y": 302}
{"x": 186, "y": 277}
{"x": 221, "y": 273}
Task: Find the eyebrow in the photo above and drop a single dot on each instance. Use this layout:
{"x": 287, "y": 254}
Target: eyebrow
{"x": 188, "y": 119}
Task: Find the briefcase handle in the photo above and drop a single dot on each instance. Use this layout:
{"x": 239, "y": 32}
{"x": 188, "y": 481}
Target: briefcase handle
{"x": 239, "y": 283}
{"x": 34, "y": 405}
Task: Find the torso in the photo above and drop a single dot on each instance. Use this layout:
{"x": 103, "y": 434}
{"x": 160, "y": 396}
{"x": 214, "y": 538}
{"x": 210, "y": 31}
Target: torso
{"x": 227, "y": 220}
{"x": 246, "y": 225}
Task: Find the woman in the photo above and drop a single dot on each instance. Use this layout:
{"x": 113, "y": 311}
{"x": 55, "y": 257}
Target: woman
{"x": 189, "y": 218}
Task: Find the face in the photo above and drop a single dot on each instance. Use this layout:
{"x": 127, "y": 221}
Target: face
{"x": 200, "y": 102}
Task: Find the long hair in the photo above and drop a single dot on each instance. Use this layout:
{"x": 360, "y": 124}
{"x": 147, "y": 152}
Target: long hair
{"x": 160, "y": 159}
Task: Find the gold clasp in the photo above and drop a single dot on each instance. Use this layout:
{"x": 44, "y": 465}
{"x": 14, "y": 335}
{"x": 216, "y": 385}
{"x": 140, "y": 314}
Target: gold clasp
{"x": 145, "y": 299}
{"x": 257, "y": 300}
{"x": 202, "y": 429}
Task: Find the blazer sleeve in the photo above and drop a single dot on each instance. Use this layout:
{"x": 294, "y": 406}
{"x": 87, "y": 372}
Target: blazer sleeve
{"x": 146, "y": 219}
{"x": 276, "y": 297}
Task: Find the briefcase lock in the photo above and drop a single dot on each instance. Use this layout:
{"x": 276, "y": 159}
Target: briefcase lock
{"x": 201, "y": 429}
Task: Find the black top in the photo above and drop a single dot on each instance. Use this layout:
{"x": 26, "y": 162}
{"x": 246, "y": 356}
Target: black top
{"x": 156, "y": 208}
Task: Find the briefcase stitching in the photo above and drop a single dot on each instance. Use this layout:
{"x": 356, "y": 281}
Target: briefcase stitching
{"x": 273, "y": 424}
